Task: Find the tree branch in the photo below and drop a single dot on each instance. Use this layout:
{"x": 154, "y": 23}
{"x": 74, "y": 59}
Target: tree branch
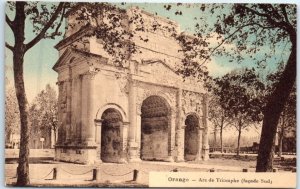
{"x": 9, "y": 46}
{"x": 228, "y": 37}
{"x": 52, "y": 35}
{"x": 46, "y": 27}
{"x": 9, "y": 22}
{"x": 281, "y": 25}
{"x": 282, "y": 6}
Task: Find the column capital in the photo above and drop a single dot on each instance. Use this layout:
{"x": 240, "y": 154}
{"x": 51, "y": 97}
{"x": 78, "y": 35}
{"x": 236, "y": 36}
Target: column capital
{"x": 91, "y": 72}
{"x": 98, "y": 122}
{"x": 200, "y": 128}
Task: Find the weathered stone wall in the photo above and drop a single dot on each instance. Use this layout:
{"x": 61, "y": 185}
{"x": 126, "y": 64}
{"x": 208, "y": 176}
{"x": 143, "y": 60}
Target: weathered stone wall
{"x": 90, "y": 84}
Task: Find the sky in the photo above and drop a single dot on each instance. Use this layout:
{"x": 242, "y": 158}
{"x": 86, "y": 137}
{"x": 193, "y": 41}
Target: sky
{"x": 40, "y": 59}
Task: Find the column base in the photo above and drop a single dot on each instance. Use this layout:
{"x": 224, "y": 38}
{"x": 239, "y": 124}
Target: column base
{"x": 178, "y": 160}
{"x": 133, "y": 152}
{"x": 205, "y": 154}
{"x": 123, "y": 161}
{"x": 90, "y": 142}
{"x": 169, "y": 159}
{"x": 134, "y": 159}
{"x": 98, "y": 161}
{"x": 199, "y": 157}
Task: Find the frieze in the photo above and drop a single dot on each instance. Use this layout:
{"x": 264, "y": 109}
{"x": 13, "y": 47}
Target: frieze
{"x": 123, "y": 81}
{"x": 192, "y": 102}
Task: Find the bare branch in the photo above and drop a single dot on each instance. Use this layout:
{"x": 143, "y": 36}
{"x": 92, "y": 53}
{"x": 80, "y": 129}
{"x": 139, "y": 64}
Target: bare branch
{"x": 58, "y": 26}
{"x": 231, "y": 35}
{"x": 9, "y": 22}
{"x": 46, "y": 27}
{"x": 282, "y": 6}
{"x": 9, "y": 46}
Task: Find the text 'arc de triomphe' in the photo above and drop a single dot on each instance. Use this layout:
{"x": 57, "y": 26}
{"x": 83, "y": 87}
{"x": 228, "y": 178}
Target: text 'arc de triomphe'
{"x": 143, "y": 111}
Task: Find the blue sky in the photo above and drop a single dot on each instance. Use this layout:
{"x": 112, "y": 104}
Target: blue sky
{"x": 40, "y": 59}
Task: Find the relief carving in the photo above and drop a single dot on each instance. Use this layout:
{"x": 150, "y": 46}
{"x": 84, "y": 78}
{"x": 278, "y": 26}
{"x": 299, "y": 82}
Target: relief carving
{"x": 123, "y": 83}
{"x": 192, "y": 102}
{"x": 63, "y": 96}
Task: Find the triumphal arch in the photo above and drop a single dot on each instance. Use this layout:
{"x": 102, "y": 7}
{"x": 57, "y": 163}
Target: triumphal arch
{"x": 142, "y": 111}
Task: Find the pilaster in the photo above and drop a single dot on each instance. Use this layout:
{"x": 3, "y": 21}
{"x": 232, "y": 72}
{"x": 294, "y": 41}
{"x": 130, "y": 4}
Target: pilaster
{"x": 205, "y": 151}
{"x": 199, "y": 156}
{"x": 133, "y": 145}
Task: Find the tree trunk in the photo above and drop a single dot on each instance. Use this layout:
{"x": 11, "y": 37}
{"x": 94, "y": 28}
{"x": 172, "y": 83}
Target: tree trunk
{"x": 23, "y": 166}
{"x": 55, "y": 132}
{"x": 280, "y": 137}
{"x": 215, "y": 138}
{"x": 273, "y": 109}
{"x": 239, "y": 139}
{"x": 18, "y": 60}
{"x": 221, "y": 138}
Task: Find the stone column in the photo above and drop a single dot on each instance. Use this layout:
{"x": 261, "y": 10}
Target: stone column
{"x": 60, "y": 130}
{"x": 171, "y": 140}
{"x": 74, "y": 97}
{"x": 133, "y": 145}
{"x": 89, "y": 106}
{"x": 179, "y": 128}
{"x": 205, "y": 150}
{"x": 123, "y": 133}
{"x": 180, "y": 143}
{"x": 68, "y": 112}
{"x": 78, "y": 110}
{"x": 98, "y": 139}
{"x": 200, "y": 145}
{"x": 138, "y": 132}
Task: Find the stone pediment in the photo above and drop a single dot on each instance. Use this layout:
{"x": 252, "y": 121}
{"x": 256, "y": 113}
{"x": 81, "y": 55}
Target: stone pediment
{"x": 160, "y": 72}
{"x": 64, "y": 59}
{"x": 71, "y": 55}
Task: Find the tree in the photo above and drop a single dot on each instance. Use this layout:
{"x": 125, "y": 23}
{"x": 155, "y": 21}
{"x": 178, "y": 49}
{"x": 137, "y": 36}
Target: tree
{"x": 287, "y": 121}
{"x": 47, "y": 19}
{"x": 246, "y": 31}
{"x": 12, "y": 125}
{"x": 218, "y": 116}
{"x": 240, "y": 97}
{"x": 44, "y": 19}
{"x": 44, "y": 114}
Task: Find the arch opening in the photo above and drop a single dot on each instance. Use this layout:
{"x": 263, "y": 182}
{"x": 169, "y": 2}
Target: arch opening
{"x": 191, "y": 139}
{"x": 155, "y": 128}
{"x": 111, "y": 139}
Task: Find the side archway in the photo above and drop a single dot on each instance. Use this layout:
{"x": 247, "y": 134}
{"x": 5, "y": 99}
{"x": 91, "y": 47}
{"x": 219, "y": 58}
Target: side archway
{"x": 191, "y": 139}
{"x": 111, "y": 136}
{"x": 113, "y": 106}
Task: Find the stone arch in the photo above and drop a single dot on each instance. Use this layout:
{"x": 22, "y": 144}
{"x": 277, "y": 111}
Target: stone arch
{"x": 111, "y": 136}
{"x": 165, "y": 96}
{"x": 114, "y": 106}
{"x": 191, "y": 136}
{"x": 196, "y": 115}
{"x": 155, "y": 128}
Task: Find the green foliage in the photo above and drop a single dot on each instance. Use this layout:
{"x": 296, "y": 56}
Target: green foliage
{"x": 239, "y": 32}
{"x": 43, "y": 112}
{"x": 12, "y": 114}
{"x": 240, "y": 94}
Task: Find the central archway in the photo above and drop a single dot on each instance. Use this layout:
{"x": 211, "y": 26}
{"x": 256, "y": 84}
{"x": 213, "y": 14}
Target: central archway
{"x": 111, "y": 139}
{"x": 155, "y": 128}
{"x": 191, "y": 141}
